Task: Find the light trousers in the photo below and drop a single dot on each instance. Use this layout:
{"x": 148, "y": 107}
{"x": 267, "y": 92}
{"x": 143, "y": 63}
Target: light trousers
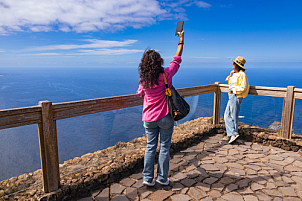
{"x": 164, "y": 128}
{"x": 231, "y": 114}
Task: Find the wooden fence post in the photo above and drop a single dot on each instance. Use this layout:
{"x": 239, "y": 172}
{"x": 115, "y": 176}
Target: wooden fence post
{"x": 49, "y": 148}
{"x": 216, "y": 109}
{"x": 288, "y": 113}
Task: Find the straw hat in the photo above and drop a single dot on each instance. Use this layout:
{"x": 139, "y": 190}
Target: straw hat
{"x": 240, "y": 61}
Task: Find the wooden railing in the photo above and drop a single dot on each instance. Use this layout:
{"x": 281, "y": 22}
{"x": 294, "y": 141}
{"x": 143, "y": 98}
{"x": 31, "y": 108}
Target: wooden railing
{"x": 46, "y": 114}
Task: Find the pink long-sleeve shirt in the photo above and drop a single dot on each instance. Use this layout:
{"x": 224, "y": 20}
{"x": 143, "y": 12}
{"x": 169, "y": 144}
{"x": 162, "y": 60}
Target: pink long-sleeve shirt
{"x": 155, "y": 103}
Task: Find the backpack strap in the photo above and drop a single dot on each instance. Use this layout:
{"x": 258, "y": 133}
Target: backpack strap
{"x": 168, "y": 90}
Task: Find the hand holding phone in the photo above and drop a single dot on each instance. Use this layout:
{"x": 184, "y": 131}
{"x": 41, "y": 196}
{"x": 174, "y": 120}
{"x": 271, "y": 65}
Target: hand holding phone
{"x": 180, "y": 33}
{"x": 179, "y": 27}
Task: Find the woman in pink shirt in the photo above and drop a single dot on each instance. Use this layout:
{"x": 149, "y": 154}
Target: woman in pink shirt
{"x": 156, "y": 117}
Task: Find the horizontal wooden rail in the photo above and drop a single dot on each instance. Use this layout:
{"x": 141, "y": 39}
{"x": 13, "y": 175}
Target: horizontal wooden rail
{"x": 84, "y": 107}
{"x": 20, "y": 117}
{"x": 266, "y": 91}
{"x": 199, "y": 90}
{"x": 298, "y": 93}
{"x": 260, "y": 91}
{"x": 32, "y": 115}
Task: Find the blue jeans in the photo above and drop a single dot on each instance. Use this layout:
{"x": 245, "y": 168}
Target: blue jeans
{"x": 165, "y": 127}
{"x": 231, "y": 114}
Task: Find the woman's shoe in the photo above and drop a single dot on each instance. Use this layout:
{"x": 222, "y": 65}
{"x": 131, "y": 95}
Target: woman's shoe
{"x": 148, "y": 183}
{"x": 164, "y": 183}
{"x": 233, "y": 138}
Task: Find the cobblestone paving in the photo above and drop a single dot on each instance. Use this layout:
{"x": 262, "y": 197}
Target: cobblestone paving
{"x": 216, "y": 170}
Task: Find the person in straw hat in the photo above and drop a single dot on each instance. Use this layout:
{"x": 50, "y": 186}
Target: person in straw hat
{"x": 238, "y": 89}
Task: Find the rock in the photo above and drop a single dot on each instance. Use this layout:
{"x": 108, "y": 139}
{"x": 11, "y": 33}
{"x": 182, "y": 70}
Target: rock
{"x": 180, "y": 197}
{"x": 196, "y": 193}
{"x": 233, "y": 196}
{"x": 160, "y": 195}
{"x": 276, "y": 125}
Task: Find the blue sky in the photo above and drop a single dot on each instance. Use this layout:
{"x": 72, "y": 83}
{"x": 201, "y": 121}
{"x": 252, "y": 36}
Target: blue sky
{"x": 115, "y": 33}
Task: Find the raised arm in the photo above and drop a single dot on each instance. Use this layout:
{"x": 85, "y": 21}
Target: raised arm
{"x": 180, "y": 44}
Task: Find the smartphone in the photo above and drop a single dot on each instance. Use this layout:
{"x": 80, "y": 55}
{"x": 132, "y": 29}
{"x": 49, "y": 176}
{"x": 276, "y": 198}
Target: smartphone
{"x": 179, "y": 27}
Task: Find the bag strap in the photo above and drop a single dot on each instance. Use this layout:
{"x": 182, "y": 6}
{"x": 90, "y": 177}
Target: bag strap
{"x": 168, "y": 90}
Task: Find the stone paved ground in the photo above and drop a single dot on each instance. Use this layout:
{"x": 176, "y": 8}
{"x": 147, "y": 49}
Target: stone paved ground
{"x": 215, "y": 170}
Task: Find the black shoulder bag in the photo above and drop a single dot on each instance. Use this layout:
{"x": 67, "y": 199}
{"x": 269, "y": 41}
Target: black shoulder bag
{"x": 178, "y": 107}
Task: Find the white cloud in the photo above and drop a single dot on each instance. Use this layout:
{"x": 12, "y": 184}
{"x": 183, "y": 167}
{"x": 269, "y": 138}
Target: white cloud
{"x": 90, "y": 47}
{"x": 181, "y": 3}
{"x": 202, "y": 4}
{"x": 177, "y": 9}
{"x": 45, "y": 54}
{"x": 109, "y": 52}
{"x": 88, "y": 15}
{"x": 90, "y": 43}
{"x": 91, "y": 52}
{"x": 206, "y": 57}
{"x": 76, "y": 15}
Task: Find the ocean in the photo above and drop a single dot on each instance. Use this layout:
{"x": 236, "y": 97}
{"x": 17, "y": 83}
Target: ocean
{"x": 23, "y": 87}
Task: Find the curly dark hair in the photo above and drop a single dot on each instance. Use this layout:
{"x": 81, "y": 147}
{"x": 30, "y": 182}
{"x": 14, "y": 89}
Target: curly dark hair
{"x": 150, "y": 68}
